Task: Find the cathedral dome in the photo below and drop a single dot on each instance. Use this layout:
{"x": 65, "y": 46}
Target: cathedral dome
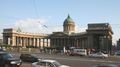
{"x": 68, "y": 25}
{"x": 68, "y": 21}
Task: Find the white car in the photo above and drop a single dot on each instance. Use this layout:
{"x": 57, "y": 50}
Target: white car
{"x": 98, "y": 55}
{"x": 47, "y": 63}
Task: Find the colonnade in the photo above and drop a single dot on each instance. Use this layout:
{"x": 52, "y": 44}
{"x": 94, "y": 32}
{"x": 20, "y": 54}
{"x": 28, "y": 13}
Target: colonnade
{"x": 69, "y": 42}
{"x": 37, "y": 42}
{"x": 14, "y": 38}
{"x": 27, "y": 41}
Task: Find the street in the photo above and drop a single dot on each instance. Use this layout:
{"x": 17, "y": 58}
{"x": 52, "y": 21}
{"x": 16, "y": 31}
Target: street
{"x": 74, "y": 61}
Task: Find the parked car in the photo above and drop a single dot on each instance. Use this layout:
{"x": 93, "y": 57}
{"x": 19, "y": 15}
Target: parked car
{"x": 2, "y": 49}
{"x": 47, "y": 63}
{"x": 117, "y": 53}
{"x": 104, "y": 65}
{"x": 28, "y": 58}
{"x": 7, "y": 60}
{"x": 98, "y": 55}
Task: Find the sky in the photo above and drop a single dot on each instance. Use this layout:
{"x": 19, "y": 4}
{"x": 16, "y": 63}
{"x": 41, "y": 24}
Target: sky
{"x": 47, "y": 16}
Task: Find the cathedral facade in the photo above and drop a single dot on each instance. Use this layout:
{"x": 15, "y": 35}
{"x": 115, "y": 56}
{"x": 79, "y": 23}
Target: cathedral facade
{"x": 98, "y": 36}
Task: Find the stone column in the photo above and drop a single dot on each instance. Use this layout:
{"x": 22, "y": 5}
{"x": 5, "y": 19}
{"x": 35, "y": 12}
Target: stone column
{"x": 51, "y": 42}
{"x": 43, "y": 42}
{"x": 90, "y": 41}
{"x": 17, "y": 41}
{"x": 39, "y": 42}
{"x": 36, "y": 42}
{"x": 28, "y": 42}
{"x": 32, "y": 40}
{"x": 22, "y": 44}
{"x": 4, "y": 39}
{"x": 108, "y": 44}
{"x": 21, "y": 41}
{"x": 24, "y": 41}
{"x": 46, "y": 42}
{"x": 13, "y": 39}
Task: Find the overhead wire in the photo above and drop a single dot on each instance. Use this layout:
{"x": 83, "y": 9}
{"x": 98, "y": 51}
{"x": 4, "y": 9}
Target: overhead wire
{"x": 37, "y": 15}
{"x": 35, "y": 8}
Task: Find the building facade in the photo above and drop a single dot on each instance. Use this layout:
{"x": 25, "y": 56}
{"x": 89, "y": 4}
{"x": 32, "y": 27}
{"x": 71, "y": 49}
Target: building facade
{"x": 97, "y": 36}
{"x": 118, "y": 45}
{"x": 1, "y": 41}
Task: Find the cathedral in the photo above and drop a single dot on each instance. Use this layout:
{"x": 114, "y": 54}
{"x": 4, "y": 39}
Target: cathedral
{"x": 98, "y": 36}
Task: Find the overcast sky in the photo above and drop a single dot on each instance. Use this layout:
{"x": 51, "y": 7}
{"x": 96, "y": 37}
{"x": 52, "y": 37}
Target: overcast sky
{"x": 47, "y": 16}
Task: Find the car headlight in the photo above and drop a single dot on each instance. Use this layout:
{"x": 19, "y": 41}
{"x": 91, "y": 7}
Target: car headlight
{"x": 12, "y": 62}
{"x": 20, "y": 61}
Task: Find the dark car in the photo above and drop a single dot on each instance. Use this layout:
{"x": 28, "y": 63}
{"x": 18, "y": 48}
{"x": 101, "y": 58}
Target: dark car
{"x": 104, "y": 65}
{"x": 28, "y": 58}
{"x": 117, "y": 53}
{"x": 2, "y": 49}
{"x": 7, "y": 60}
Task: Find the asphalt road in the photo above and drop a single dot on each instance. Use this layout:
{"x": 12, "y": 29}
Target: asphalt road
{"x": 74, "y": 61}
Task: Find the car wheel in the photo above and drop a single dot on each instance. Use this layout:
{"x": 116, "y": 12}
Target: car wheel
{"x": 103, "y": 57}
{"x": 7, "y": 65}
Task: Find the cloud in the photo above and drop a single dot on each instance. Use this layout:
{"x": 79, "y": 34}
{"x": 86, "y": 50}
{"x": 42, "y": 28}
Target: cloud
{"x": 60, "y": 29}
{"x": 57, "y": 29}
{"x": 80, "y": 29}
{"x": 31, "y": 25}
{"x": 39, "y": 26}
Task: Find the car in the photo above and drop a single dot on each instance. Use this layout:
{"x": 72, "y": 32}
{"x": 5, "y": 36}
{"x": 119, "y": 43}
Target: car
{"x": 2, "y": 49}
{"x": 104, "y": 65}
{"x": 117, "y": 53}
{"x": 28, "y": 58}
{"x": 78, "y": 52}
{"x": 7, "y": 60}
{"x": 98, "y": 55}
{"x": 47, "y": 63}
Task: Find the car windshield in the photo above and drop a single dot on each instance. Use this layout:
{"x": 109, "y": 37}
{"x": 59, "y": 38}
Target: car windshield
{"x": 33, "y": 55}
{"x": 99, "y": 53}
{"x": 7, "y": 55}
{"x": 57, "y": 64}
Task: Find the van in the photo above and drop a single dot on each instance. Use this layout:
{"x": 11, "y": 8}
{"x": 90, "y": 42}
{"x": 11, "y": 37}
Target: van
{"x": 81, "y": 52}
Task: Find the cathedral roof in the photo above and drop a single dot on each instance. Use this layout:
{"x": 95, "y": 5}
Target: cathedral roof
{"x": 68, "y": 20}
